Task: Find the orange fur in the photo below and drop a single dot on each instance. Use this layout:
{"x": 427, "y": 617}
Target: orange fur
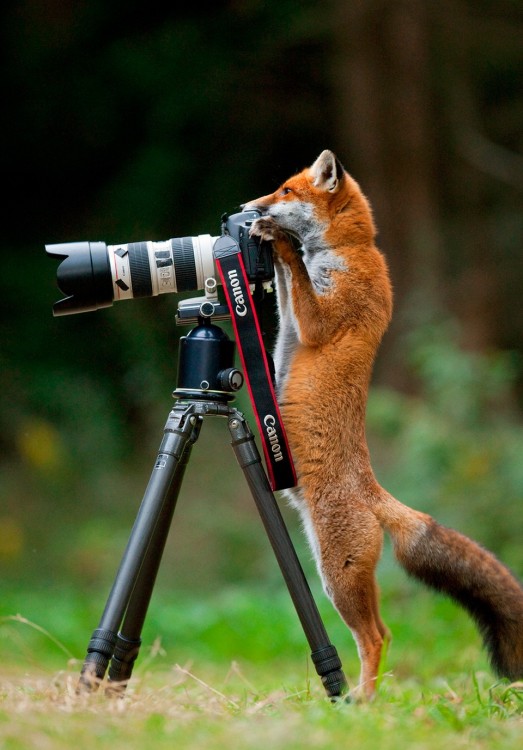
{"x": 335, "y": 303}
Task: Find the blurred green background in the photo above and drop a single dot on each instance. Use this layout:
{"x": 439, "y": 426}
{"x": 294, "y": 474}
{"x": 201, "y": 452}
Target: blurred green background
{"x": 131, "y": 121}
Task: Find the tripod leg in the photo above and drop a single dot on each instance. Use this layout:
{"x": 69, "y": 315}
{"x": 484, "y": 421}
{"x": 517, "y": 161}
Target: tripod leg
{"x": 128, "y": 641}
{"x": 181, "y": 430}
{"x": 324, "y": 654}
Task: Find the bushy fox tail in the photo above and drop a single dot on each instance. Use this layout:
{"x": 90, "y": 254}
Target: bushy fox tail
{"x": 450, "y": 562}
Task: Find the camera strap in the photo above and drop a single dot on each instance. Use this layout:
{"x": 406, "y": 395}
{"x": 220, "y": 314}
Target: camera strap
{"x": 229, "y": 261}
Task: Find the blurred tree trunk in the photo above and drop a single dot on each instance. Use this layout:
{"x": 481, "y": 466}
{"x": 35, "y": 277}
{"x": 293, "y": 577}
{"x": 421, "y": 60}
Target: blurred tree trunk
{"x": 485, "y": 177}
{"x": 428, "y": 121}
{"x": 382, "y": 84}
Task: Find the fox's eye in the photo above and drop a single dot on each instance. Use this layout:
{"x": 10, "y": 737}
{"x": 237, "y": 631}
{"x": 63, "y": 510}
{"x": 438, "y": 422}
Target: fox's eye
{"x": 285, "y": 191}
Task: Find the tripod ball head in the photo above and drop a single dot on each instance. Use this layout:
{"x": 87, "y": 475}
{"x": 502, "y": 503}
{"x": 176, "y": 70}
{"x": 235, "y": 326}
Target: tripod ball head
{"x": 206, "y": 364}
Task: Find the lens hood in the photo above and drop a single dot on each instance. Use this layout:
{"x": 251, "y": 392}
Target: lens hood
{"x": 84, "y": 275}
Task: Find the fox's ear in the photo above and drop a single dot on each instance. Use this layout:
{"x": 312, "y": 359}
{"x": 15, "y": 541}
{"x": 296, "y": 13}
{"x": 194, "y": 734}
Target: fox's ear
{"x": 327, "y": 172}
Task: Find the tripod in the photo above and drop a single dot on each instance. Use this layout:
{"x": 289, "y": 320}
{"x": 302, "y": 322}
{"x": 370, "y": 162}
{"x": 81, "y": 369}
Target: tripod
{"x": 207, "y": 380}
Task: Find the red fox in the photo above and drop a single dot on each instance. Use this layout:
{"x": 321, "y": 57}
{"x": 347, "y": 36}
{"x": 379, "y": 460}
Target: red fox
{"x": 334, "y": 305}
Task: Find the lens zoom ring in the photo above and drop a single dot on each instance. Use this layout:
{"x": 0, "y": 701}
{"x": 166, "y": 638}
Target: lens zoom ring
{"x": 184, "y": 265}
{"x": 140, "y": 269}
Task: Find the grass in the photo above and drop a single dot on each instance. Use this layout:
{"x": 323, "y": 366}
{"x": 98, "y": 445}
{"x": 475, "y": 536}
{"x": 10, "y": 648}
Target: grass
{"x": 179, "y": 708}
{"x": 231, "y": 669}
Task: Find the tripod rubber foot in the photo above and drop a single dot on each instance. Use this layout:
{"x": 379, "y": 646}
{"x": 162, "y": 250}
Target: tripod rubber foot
{"x": 99, "y": 651}
{"x": 125, "y": 654}
{"x": 328, "y": 666}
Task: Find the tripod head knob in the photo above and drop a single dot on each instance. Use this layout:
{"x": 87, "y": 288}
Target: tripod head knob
{"x": 230, "y": 379}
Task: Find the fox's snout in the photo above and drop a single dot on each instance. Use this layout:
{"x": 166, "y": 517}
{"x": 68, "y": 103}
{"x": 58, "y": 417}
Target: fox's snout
{"x": 257, "y": 205}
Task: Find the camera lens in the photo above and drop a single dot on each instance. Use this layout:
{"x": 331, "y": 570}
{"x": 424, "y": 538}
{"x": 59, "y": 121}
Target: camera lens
{"x": 93, "y": 274}
{"x": 146, "y": 269}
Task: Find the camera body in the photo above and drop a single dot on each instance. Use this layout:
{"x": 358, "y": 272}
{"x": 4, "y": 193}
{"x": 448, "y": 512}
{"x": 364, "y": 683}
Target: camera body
{"x": 93, "y": 275}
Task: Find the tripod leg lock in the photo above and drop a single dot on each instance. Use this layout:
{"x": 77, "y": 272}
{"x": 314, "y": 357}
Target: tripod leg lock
{"x": 243, "y": 442}
{"x": 328, "y": 666}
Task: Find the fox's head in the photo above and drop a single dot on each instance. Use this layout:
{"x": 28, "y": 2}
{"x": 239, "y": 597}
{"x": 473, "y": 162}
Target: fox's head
{"x": 307, "y": 202}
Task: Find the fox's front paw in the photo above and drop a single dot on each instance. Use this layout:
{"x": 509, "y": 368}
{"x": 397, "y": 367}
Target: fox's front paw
{"x": 265, "y": 228}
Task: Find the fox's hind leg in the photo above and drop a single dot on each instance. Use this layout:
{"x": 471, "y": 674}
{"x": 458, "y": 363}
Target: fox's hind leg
{"x": 348, "y": 549}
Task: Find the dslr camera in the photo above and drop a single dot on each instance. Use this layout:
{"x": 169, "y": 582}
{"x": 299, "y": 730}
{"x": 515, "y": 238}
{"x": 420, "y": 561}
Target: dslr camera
{"x": 93, "y": 275}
